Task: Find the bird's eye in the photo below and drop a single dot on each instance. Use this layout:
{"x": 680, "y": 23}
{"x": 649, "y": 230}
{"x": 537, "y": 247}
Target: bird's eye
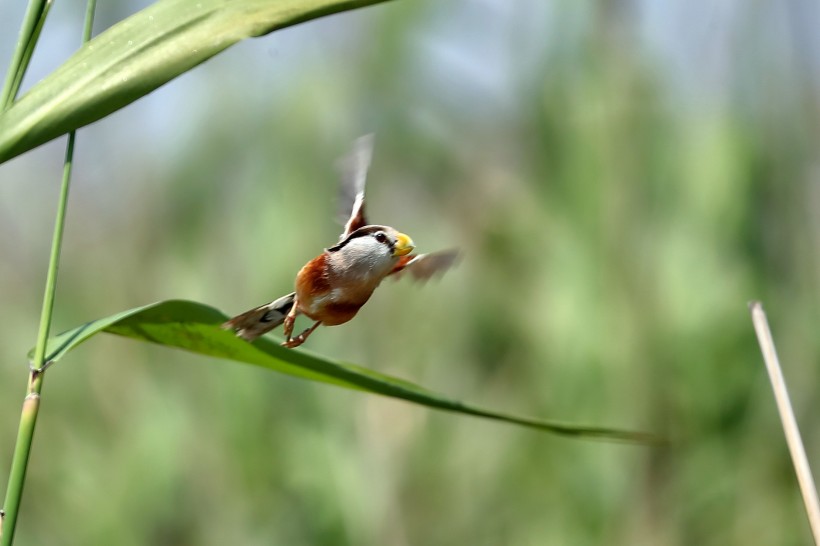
{"x": 381, "y": 237}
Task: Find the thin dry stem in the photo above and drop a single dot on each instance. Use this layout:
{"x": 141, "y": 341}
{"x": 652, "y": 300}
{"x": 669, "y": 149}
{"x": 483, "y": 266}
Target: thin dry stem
{"x": 793, "y": 439}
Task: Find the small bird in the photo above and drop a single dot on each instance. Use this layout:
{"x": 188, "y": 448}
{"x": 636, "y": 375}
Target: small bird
{"x": 332, "y": 287}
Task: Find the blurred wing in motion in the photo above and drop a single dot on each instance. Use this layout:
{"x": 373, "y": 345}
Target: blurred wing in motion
{"x": 425, "y": 266}
{"x": 252, "y": 324}
{"x": 353, "y": 169}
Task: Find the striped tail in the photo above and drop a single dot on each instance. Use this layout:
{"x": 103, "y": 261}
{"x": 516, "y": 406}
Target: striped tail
{"x": 252, "y": 324}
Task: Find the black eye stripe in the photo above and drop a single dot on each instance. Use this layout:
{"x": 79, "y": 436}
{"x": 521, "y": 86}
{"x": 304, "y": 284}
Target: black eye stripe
{"x": 385, "y": 240}
{"x": 362, "y": 232}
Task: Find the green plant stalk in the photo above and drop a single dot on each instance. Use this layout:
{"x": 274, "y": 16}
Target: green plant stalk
{"x": 29, "y": 34}
{"x": 22, "y": 449}
{"x": 31, "y": 404}
{"x": 27, "y": 53}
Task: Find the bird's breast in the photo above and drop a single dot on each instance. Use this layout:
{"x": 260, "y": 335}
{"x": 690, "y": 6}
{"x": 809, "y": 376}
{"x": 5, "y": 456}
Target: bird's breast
{"x": 324, "y": 295}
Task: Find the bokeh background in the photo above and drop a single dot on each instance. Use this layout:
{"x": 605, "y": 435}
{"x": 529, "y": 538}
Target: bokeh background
{"x": 623, "y": 177}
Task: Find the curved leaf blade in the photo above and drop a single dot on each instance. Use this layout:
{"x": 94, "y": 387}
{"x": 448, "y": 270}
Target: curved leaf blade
{"x": 141, "y": 53}
{"x": 196, "y": 328}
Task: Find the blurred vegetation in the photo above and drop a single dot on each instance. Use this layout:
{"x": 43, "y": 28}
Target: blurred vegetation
{"x": 622, "y": 177}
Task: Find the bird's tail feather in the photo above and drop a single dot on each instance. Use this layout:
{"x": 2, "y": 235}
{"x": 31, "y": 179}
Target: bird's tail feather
{"x": 252, "y": 324}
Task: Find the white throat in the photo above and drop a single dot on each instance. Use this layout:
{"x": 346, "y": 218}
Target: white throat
{"x": 362, "y": 260}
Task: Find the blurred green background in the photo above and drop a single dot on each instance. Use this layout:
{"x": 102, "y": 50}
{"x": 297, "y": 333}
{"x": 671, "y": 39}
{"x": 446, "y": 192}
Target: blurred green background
{"x": 622, "y": 178}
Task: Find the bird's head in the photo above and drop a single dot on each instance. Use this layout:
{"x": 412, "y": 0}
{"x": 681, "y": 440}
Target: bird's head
{"x": 372, "y": 249}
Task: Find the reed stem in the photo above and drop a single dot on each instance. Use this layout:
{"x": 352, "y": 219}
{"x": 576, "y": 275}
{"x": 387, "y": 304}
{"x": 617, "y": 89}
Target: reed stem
{"x": 31, "y": 403}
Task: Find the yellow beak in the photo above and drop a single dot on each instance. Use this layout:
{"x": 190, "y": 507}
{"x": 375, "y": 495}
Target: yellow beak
{"x": 404, "y": 245}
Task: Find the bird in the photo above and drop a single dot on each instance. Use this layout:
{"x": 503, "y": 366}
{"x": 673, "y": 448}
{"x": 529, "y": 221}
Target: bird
{"x": 332, "y": 287}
